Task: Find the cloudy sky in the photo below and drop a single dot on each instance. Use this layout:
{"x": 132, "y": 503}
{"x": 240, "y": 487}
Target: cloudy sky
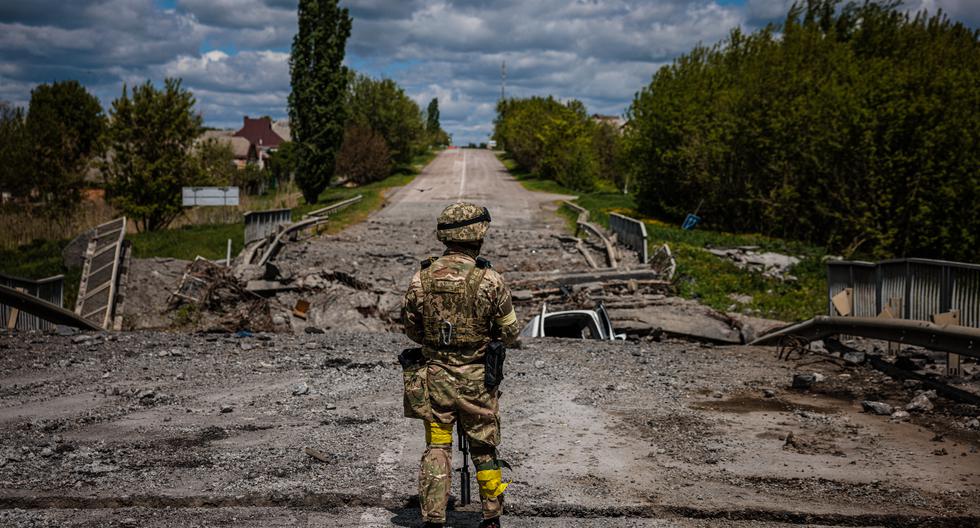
{"x": 233, "y": 53}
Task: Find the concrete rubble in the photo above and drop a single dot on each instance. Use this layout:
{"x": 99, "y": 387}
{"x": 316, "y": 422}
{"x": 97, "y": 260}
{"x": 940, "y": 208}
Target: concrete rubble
{"x": 768, "y": 263}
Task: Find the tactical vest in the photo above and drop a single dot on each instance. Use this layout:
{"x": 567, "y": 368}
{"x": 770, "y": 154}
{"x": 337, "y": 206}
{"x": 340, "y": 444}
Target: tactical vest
{"x": 450, "y": 311}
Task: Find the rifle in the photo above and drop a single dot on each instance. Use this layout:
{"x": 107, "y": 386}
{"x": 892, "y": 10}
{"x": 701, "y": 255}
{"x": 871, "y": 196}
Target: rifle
{"x": 464, "y": 472}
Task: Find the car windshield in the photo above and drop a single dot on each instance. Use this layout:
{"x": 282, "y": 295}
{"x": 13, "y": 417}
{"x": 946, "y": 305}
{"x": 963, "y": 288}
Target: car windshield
{"x": 573, "y": 325}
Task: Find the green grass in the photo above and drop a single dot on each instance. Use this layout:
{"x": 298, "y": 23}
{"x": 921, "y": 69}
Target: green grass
{"x": 374, "y": 196}
{"x": 41, "y": 259}
{"x": 186, "y": 243}
{"x": 701, "y": 275}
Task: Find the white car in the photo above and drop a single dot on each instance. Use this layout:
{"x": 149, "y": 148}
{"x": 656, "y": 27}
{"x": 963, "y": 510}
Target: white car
{"x": 573, "y": 324}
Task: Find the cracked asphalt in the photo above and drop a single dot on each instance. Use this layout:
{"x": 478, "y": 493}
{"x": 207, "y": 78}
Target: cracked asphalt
{"x": 174, "y": 429}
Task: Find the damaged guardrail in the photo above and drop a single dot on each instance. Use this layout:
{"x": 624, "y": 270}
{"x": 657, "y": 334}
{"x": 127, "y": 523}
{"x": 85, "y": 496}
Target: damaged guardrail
{"x": 261, "y": 224}
{"x": 102, "y": 274}
{"x": 42, "y": 309}
{"x": 582, "y": 222}
{"x": 51, "y": 289}
{"x": 949, "y": 338}
{"x": 632, "y": 233}
{"x": 910, "y": 288}
{"x": 333, "y": 208}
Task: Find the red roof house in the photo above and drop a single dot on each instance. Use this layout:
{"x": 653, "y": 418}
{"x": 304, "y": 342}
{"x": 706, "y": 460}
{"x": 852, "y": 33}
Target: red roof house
{"x": 259, "y": 133}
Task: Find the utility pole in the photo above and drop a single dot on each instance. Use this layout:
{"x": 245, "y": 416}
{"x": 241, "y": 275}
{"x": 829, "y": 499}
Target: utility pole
{"x": 503, "y": 80}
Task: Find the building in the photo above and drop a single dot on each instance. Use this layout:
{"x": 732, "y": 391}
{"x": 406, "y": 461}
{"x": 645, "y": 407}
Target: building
{"x": 264, "y": 135}
{"x": 615, "y": 121}
{"x": 243, "y": 150}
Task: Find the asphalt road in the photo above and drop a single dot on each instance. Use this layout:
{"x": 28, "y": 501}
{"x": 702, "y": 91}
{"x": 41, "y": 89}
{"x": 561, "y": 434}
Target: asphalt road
{"x": 169, "y": 429}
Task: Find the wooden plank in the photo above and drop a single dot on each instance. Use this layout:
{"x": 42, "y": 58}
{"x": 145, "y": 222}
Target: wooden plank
{"x": 844, "y": 302}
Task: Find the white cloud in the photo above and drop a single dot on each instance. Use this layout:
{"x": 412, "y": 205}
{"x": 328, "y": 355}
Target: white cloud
{"x": 233, "y": 53}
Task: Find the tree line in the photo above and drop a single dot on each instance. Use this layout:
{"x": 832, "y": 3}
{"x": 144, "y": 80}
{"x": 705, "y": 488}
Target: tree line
{"x": 853, "y": 126}
{"x": 559, "y": 141}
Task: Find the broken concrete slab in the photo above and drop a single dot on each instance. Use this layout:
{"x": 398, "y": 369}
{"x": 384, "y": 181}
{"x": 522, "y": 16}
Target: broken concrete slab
{"x": 678, "y": 317}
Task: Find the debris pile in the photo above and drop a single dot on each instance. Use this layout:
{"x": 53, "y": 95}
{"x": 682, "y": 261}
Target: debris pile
{"x": 210, "y": 297}
{"x": 770, "y": 264}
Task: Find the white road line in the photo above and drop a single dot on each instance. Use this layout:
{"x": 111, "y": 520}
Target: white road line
{"x": 386, "y": 469}
{"x": 462, "y": 180}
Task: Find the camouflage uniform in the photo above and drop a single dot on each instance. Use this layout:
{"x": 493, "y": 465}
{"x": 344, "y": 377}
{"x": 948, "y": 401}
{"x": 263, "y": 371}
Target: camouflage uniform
{"x": 454, "y": 306}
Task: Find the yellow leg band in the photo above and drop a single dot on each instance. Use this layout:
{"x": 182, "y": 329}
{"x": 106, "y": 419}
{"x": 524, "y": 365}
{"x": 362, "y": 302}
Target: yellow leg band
{"x": 507, "y": 320}
{"x": 490, "y": 483}
{"x": 438, "y": 433}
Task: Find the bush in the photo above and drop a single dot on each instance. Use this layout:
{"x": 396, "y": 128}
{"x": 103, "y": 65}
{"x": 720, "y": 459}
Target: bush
{"x": 363, "y": 156}
{"x": 850, "y": 127}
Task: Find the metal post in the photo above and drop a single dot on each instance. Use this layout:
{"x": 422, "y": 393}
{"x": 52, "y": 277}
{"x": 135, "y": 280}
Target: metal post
{"x": 228, "y": 255}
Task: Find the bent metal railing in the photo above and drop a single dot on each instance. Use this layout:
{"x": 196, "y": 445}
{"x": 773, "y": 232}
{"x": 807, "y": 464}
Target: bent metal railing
{"x": 917, "y": 288}
{"x": 51, "y": 289}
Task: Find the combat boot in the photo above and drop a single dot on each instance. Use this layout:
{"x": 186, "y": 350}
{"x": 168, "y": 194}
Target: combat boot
{"x": 490, "y": 523}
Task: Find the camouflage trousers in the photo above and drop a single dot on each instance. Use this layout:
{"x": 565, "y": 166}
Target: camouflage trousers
{"x": 458, "y": 393}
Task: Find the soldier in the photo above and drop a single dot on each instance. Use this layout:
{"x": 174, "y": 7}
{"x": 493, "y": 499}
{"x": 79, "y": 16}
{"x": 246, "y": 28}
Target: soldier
{"x": 455, "y": 306}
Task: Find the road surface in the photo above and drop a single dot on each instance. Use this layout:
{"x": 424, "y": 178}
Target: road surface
{"x": 170, "y": 429}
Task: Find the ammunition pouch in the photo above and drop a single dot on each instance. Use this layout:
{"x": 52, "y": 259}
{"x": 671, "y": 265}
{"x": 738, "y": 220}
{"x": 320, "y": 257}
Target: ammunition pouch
{"x": 416, "y": 396}
{"x": 494, "y": 365}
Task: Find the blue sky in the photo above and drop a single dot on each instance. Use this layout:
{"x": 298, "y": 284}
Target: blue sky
{"x": 233, "y": 53}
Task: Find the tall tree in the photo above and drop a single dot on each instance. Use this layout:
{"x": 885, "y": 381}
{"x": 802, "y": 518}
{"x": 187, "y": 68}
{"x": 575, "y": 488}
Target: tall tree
{"x": 149, "y": 156}
{"x": 63, "y": 125}
{"x": 319, "y": 79}
{"x": 432, "y": 116}
{"x": 15, "y": 177}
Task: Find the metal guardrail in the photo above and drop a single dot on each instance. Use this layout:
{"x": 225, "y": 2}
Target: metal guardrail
{"x": 582, "y": 222}
{"x": 51, "y": 289}
{"x": 333, "y": 208}
{"x": 100, "y": 274}
{"x": 632, "y": 233}
{"x": 261, "y": 224}
{"x": 918, "y": 287}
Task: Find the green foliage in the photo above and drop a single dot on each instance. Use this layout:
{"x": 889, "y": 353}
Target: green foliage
{"x": 549, "y": 138}
{"x": 41, "y": 259}
{"x": 852, "y": 127}
{"x": 15, "y": 176}
{"x": 319, "y": 79}
{"x": 282, "y": 163}
{"x": 383, "y": 106}
{"x": 209, "y": 241}
{"x": 147, "y": 163}
{"x": 437, "y": 136}
{"x": 63, "y": 126}
{"x": 216, "y": 161}
{"x": 364, "y": 156}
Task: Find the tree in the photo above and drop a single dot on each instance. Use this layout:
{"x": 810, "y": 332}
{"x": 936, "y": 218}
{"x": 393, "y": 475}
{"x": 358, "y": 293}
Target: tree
{"x": 851, "y": 126}
{"x": 63, "y": 126}
{"x": 282, "y": 162}
{"x": 149, "y": 141}
{"x": 317, "y": 111}
{"x": 216, "y": 161}
{"x": 383, "y": 106}
{"x": 432, "y": 116}
{"x": 364, "y": 156}
{"x": 15, "y": 174}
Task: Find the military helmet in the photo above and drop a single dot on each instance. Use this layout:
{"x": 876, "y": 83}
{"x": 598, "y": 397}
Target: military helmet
{"x": 463, "y": 222}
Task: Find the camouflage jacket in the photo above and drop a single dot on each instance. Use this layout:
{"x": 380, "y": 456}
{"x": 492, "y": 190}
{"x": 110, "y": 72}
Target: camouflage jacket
{"x": 438, "y": 294}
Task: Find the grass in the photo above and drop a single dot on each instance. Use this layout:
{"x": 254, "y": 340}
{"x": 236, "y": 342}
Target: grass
{"x": 701, "y": 275}
{"x": 42, "y": 258}
{"x": 373, "y": 196}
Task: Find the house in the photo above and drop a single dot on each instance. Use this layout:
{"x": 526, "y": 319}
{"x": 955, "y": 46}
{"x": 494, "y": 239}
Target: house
{"x": 264, "y": 134}
{"x": 243, "y": 150}
{"x": 615, "y": 121}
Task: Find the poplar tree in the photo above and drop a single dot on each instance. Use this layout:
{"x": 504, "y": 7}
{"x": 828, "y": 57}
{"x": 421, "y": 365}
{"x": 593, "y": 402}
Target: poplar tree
{"x": 319, "y": 80}
{"x": 432, "y": 116}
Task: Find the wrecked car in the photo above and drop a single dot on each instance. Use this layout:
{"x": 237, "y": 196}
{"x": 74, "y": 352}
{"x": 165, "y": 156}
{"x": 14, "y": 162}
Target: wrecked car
{"x": 572, "y": 324}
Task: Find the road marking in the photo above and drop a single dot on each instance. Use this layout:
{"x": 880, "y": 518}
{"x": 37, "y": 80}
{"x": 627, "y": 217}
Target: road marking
{"x": 462, "y": 180}
{"x": 386, "y": 469}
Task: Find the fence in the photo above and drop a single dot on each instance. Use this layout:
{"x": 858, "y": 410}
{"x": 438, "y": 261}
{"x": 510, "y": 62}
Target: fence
{"x": 918, "y": 288}
{"x": 100, "y": 273}
{"x": 334, "y": 207}
{"x": 632, "y": 233}
{"x": 51, "y": 289}
{"x": 260, "y": 224}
